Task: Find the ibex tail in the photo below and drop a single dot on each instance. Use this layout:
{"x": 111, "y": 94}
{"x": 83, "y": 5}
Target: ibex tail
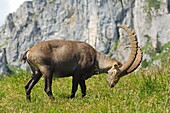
{"x": 24, "y": 57}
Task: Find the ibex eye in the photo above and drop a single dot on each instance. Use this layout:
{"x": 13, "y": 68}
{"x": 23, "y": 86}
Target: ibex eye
{"x": 115, "y": 65}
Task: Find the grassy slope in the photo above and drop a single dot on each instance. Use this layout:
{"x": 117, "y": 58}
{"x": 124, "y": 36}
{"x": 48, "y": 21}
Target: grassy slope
{"x": 144, "y": 91}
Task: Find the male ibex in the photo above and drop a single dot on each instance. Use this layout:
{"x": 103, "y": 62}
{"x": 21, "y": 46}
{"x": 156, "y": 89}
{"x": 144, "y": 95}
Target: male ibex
{"x": 61, "y": 58}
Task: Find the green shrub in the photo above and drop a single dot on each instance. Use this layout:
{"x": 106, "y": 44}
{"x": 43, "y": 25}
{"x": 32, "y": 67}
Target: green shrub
{"x": 162, "y": 53}
{"x": 154, "y": 4}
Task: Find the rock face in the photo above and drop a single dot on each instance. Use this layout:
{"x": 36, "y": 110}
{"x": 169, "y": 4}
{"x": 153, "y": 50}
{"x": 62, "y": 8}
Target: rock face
{"x": 92, "y": 21}
{"x": 3, "y": 63}
{"x": 151, "y": 20}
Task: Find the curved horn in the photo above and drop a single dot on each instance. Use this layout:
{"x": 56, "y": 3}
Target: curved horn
{"x": 137, "y": 61}
{"x": 133, "y": 46}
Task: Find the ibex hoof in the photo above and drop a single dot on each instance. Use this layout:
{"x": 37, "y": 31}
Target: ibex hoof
{"x": 83, "y": 96}
{"x": 28, "y": 98}
{"x": 71, "y": 96}
{"x": 52, "y": 98}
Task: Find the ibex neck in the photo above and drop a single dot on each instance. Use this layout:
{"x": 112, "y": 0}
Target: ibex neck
{"x": 104, "y": 62}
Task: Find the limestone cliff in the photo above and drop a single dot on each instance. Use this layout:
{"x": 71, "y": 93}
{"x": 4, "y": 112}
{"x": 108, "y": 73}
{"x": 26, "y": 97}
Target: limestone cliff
{"x": 92, "y": 21}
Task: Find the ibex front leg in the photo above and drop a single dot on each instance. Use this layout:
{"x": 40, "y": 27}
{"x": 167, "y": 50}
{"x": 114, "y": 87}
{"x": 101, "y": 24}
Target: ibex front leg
{"x": 48, "y": 83}
{"x": 83, "y": 87}
{"x": 75, "y": 82}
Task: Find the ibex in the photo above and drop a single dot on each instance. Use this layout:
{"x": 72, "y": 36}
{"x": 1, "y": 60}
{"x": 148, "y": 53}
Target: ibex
{"x": 64, "y": 58}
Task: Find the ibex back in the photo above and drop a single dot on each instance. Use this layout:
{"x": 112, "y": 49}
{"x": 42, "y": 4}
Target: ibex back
{"x": 62, "y": 58}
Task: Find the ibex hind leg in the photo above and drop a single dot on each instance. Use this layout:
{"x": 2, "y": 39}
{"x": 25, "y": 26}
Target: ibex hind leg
{"x": 36, "y": 75}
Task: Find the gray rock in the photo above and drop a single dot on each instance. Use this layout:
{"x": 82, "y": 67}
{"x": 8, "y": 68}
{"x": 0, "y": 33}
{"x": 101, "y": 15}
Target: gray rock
{"x": 94, "y": 22}
{"x": 3, "y": 63}
{"x": 157, "y": 63}
{"x": 147, "y": 57}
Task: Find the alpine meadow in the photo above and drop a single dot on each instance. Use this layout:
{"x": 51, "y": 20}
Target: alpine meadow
{"x": 146, "y": 90}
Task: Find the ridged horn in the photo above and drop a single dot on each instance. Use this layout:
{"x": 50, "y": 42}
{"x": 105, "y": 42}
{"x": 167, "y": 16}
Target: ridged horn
{"x": 137, "y": 61}
{"x": 133, "y": 46}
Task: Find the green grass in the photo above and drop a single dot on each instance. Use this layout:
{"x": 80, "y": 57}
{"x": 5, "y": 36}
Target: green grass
{"x": 146, "y": 91}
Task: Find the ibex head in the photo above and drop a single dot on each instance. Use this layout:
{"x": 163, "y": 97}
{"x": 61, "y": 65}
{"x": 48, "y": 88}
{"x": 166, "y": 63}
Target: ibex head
{"x": 113, "y": 77}
{"x": 135, "y": 58}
